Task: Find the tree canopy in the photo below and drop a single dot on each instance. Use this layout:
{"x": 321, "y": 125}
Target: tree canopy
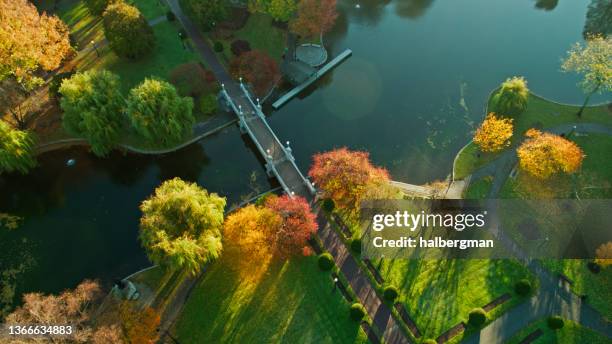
{"x": 512, "y": 97}
{"x": 544, "y": 154}
{"x": 158, "y": 113}
{"x": 29, "y": 41}
{"x": 347, "y": 177}
{"x": 314, "y": 17}
{"x": 598, "y": 19}
{"x": 256, "y": 68}
{"x": 181, "y": 224}
{"x": 208, "y": 12}
{"x": 494, "y": 133}
{"x": 16, "y": 149}
{"x": 593, "y": 61}
{"x": 93, "y": 106}
{"x": 127, "y": 31}
{"x": 251, "y": 229}
{"x": 297, "y": 225}
{"x": 603, "y": 254}
{"x": 280, "y": 10}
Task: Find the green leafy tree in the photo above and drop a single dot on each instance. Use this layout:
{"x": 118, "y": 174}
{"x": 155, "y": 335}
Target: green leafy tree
{"x": 208, "y": 12}
{"x": 208, "y": 104}
{"x": 280, "y": 10}
{"x": 511, "y": 99}
{"x": 93, "y": 105}
{"x": 158, "y": 113}
{"x": 16, "y": 149}
{"x": 181, "y": 225}
{"x": 598, "y": 19}
{"x": 594, "y": 61}
{"x": 127, "y": 31}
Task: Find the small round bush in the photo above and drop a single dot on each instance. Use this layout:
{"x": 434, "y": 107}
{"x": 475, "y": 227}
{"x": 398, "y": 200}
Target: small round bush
{"x": 170, "y": 16}
{"x": 218, "y": 46}
{"x": 326, "y": 261}
{"x": 555, "y": 322}
{"x": 477, "y": 317}
{"x": 328, "y": 205}
{"x": 594, "y": 267}
{"x": 356, "y": 245}
{"x": 56, "y": 82}
{"x": 208, "y": 104}
{"x": 357, "y": 311}
{"x": 390, "y": 293}
{"x": 430, "y": 341}
{"x": 240, "y": 47}
{"x": 522, "y": 287}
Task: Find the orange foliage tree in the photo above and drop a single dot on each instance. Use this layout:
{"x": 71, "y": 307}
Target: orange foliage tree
{"x": 297, "y": 226}
{"x": 603, "y": 254}
{"x": 347, "y": 177}
{"x": 544, "y": 154}
{"x": 494, "y": 133}
{"x": 251, "y": 230}
{"x": 314, "y": 17}
{"x": 29, "y": 41}
{"x": 139, "y": 325}
{"x": 256, "y": 68}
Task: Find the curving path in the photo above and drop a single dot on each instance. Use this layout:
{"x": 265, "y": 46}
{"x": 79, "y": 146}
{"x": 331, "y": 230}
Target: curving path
{"x": 553, "y": 296}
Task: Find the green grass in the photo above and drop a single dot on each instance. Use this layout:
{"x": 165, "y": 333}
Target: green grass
{"x": 290, "y": 302}
{"x": 479, "y": 189}
{"x": 150, "y": 9}
{"x": 470, "y": 159}
{"x": 595, "y": 286}
{"x": 571, "y": 333}
{"x": 439, "y": 294}
{"x": 84, "y": 26}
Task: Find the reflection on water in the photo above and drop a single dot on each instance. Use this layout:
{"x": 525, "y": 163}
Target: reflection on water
{"x": 598, "y": 18}
{"x": 412, "y": 8}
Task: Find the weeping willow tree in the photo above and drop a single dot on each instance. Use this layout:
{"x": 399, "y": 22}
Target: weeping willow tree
{"x": 158, "y": 113}
{"x": 181, "y": 224}
{"x": 16, "y": 149}
{"x": 511, "y": 99}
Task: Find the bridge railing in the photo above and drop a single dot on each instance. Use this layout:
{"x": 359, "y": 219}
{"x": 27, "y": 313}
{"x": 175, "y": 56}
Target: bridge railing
{"x": 288, "y": 154}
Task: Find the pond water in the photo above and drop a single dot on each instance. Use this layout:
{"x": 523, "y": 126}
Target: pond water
{"x": 415, "y": 86}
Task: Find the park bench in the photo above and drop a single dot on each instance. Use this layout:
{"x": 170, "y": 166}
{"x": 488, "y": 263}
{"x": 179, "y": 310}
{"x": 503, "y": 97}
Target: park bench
{"x": 372, "y": 337}
{"x": 374, "y": 271}
{"x": 498, "y": 301}
{"x": 453, "y": 331}
{"x": 532, "y": 337}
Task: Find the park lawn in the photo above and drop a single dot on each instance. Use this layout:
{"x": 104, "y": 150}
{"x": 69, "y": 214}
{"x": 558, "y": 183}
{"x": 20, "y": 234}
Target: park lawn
{"x": 479, "y": 189}
{"x": 470, "y": 159}
{"x": 289, "y": 302}
{"x": 84, "y": 26}
{"x": 595, "y": 286}
{"x": 438, "y": 294}
{"x": 571, "y": 333}
{"x": 150, "y": 9}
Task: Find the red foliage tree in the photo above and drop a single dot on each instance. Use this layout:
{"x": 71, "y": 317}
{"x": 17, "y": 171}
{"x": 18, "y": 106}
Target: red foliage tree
{"x": 314, "y": 17}
{"x": 347, "y": 177}
{"x": 256, "y": 68}
{"x": 298, "y": 224}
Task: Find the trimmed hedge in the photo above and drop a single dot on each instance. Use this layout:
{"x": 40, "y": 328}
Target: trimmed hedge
{"x": 477, "y": 317}
{"x": 356, "y": 245}
{"x": 328, "y": 205}
{"x": 390, "y": 293}
{"x": 326, "y": 261}
{"x": 522, "y": 287}
{"x": 555, "y": 322}
{"x": 357, "y": 311}
{"x": 218, "y": 46}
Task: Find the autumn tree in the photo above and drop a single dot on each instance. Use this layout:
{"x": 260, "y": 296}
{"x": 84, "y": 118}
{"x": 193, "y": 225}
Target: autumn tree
{"x": 158, "y": 113}
{"x": 544, "y": 154}
{"x": 251, "y": 229}
{"x": 494, "y": 133}
{"x": 93, "y": 105}
{"x": 74, "y": 307}
{"x": 30, "y": 41}
{"x": 314, "y": 17}
{"x": 594, "y": 62}
{"x": 512, "y": 97}
{"x": 127, "y": 31}
{"x": 139, "y": 324}
{"x": 257, "y": 68}
{"x": 17, "y": 149}
{"x": 181, "y": 224}
{"x": 598, "y": 19}
{"x": 603, "y": 254}
{"x": 208, "y": 12}
{"x": 297, "y": 225}
{"x": 191, "y": 79}
{"x": 280, "y": 10}
{"x": 347, "y": 177}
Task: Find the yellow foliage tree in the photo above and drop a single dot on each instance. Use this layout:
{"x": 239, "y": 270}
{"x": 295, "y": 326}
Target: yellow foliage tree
{"x": 544, "y": 154}
{"x": 251, "y": 229}
{"x": 603, "y": 254}
{"x": 494, "y": 133}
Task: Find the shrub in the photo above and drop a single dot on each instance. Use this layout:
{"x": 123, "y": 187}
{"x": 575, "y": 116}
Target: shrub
{"x": 477, "y": 317}
{"x": 56, "y": 82}
{"x": 127, "y": 31}
{"x": 356, "y": 245}
{"x": 390, "y": 293}
{"x": 208, "y": 104}
{"x": 430, "y": 341}
{"x": 328, "y": 205}
{"x": 357, "y": 311}
{"x": 326, "y": 261}
{"x": 555, "y": 322}
{"x": 218, "y": 46}
{"x": 170, "y": 16}
{"x": 594, "y": 267}
{"x": 240, "y": 47}
{"x": 511, "y": 99}
{"x": 522, "y": 287}
{"x": 191, "y": 79}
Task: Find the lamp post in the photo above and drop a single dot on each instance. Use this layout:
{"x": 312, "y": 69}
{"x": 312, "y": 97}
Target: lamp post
{"x": 335, "y": 284}
{"x": 95, "y": 46}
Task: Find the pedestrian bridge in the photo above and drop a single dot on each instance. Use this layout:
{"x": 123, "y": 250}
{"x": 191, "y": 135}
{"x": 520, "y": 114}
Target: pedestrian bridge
{"x": 280, "y": 162}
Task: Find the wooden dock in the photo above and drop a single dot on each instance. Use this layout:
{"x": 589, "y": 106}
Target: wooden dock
{"x": 326, "y": 68}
